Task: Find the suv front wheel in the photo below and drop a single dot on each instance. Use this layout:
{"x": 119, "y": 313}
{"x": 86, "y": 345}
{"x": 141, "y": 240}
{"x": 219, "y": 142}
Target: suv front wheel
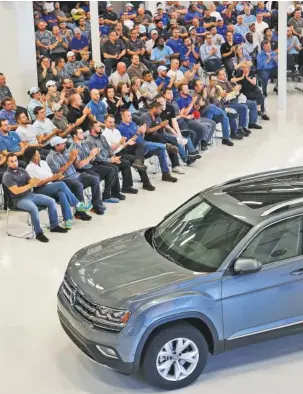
{"x": 175, "y": 357}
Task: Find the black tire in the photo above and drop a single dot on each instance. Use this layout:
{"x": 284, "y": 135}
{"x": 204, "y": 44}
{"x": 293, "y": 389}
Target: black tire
{"x": 156, "y": 343}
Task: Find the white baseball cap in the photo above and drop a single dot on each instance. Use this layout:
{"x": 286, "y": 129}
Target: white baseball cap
{"x": 70, "y": 54}
{"x": 33, "y": 90}
{"x": 162, "y": 68}
{"x": 57, "y": 141}
{"x": 50, "y": 83}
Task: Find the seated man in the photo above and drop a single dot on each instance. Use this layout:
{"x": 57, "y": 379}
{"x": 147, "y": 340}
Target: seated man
{"x": 8, "y": 112}
{"x": 74, "y": 69}
{"x": 230, "y": 97}
{"x": 60, "y": 121}
{"x": 120, "y": 75}
{"x": 19, "y": 185}
{"x": 106, "y": 157}
{"x": 10, "y": 142}
{"x": 46, "y": 129}
{"x": 113, "y": 51}
{"x": 99, "y": 80}
{"x": 60, "y": 160}
{"x": 294, "y": 48}
{"x": 129, "y": 129}
{"x": 267, "y": 63}
{"x": 27, "y": 132}
{"x": 48, "y": 186}
{"x": 136, "y": 68}
{"x": 149, "y": 88}
{"x": 79, "y": 43}
{"x": 210, "y": 55}
{"x": 86, "y": 162}
{"x": 97, "y": 106}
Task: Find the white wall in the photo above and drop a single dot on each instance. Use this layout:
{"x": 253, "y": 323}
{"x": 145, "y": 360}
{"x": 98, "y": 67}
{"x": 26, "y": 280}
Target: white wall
{"x": 17, "y": 43}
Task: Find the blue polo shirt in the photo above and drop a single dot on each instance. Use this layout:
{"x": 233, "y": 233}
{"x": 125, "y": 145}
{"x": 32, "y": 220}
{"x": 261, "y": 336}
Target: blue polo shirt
{"x": 129, "y": 130}
{"x": 238, "y": 39}
{"x": 200, "y": 30}
{"x": 10, "y": 142}
{"x": 98, "y": 110}
{"x": 104, "y": 29}
{"x": 191, "y": 15}
{"x": 166, "y": 82}
{"x": 184, "y": 102}
{"x": 222, "y": 30}
{"x": 165, "y": 19}
{"x": 97, "y": 82}
{"x": 177, "y": 45}
{"x": 79, "y": 44}
{"x": 9, "y": 116}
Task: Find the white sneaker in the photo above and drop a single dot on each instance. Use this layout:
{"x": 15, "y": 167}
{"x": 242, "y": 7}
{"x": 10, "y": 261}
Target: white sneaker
{"x": 178, "y": 170}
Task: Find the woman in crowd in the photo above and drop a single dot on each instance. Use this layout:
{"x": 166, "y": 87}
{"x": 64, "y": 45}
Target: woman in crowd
{"x": 56, "y": 97}
{"x": 250, "y": 89}
{"x": 112, "y": 103}
{"x": 240, "y": 58}
{"x": 123, "y": 91}
{"x": 138, "y": 105}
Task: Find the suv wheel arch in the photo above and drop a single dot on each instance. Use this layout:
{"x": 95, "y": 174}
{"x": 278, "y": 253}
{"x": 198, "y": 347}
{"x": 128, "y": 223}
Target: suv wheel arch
{"x": 198, "y": 320}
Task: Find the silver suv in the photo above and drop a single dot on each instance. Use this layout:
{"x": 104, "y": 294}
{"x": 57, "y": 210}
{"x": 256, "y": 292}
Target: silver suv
{"x": 223, "y": 270}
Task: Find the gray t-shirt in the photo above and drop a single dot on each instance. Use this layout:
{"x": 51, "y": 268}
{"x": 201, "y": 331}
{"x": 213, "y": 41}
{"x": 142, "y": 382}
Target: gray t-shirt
{"x": 83, "y": 153}
{"x": 28, "y": 134}
{"x": 18, "y": 177}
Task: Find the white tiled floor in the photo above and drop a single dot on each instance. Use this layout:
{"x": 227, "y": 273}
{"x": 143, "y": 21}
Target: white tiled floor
{"x": 36, "y": 357}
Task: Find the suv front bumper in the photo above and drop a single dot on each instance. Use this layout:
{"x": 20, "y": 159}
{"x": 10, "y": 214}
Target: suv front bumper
{"x": 89, "y": 340}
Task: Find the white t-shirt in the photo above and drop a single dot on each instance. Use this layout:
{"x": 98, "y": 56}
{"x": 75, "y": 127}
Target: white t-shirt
{"x": 260, "y": 27}
{"x": 177, "y": 74}
{"x": 28, "y": 133}
{"x": 41, "y": 171}
{"x": 216, "y": 14}
{"x": 113, "y": 136}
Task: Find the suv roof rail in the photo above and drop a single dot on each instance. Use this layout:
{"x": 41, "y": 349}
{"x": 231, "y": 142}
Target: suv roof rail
{"x": 282, "y": 205}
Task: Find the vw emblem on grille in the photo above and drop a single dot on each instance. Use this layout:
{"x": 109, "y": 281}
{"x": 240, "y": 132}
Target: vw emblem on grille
{"x": 73, "y": 297}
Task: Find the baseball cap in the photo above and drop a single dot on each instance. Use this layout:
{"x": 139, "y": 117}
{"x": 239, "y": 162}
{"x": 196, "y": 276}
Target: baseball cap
{"x": 184, "y": 58}
{"x": 160, "y": 7}
{"x": 99, "y": 65}
{"x": 50, "y": 83}
{"x": 141, "y": 6}
{"x": 33, "y": 90}
{"x": 153, "y": 32}
{"x": 70, "y": 54}
{"x": 252, "y": 23}
{"x": 57, "y": 140}
{"x": 162, "y": 68}
{"x": 191, "y": 28}
{"x": 109, "y": 5}
{"x": 129, "y": 5}
{"x": 56, "y": 107}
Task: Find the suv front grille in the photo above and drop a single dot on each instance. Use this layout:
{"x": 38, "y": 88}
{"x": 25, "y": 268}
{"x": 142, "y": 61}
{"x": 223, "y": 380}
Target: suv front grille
{"x": 86, "y": 308}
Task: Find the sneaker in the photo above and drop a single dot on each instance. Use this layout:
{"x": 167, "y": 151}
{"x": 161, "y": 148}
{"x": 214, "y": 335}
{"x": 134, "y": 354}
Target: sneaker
{"x": 227, "y": 142}
{"x": 172, "y": 148}
{"x": 97, "y": 211}
{"x": 68, "y": 224}
{"x": 120, "y": 197}
{"x": 112, "y": 200}
{"x": 42, "y": 238}
{"x": 83, "y": 216}
{"x": 139, "y": 165}
{"x": 166, "y": 177}
{"x": 204, "y": 145}
{"x": 255, "y": 126}
{"x": 195, "y": 156}
{"x": 178, "y": 170}
{"x": 190, "y": 161}
{"x": 84, "y": 207}
{"x": 247, "y": 130}
{"x": 58, "y": 229}
{"x": 149, "y": 187}
{"x": 236, "y": 136}
{"x": 276, "y": 90}
{"x": 196, "y": 152}
{"x": 265, "y": 117}
{"x": 130, "y": 190}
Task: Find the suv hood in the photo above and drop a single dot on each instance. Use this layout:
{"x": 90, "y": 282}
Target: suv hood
{"x": 112, "y": 271}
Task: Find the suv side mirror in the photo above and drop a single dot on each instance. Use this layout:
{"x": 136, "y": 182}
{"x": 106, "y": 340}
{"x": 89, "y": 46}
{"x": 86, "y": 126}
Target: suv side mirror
{"x": 247, "y": 266}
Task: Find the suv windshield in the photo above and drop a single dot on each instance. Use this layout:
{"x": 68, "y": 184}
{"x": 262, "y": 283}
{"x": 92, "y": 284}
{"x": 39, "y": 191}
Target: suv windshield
{"x": 198, "y": 236}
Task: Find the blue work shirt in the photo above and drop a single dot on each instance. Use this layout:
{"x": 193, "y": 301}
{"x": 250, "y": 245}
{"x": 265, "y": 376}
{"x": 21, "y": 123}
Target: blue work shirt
{"x": 161, "y": 54}
{"x": 191, "y": 15}
{"x": 10, "y": 142}
{"x": 177, "y": 45}
{"x": 129, "y": 130}
{"x": 263, "y": 57}
{"x": 97, "y": 82}
{"x": 241, "y": 29}
{"x": 98, "y": 110}
{"x": 184, "y": 102}
{"x": 79, "y": 44}
{"x": 9, "y": 116}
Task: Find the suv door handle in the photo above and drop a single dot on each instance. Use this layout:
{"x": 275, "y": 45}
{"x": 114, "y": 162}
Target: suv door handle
{"x": 297, "y": 272}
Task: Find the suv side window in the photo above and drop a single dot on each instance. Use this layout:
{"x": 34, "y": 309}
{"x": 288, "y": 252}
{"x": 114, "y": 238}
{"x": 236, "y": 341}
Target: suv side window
{"x": 280, "y": 241}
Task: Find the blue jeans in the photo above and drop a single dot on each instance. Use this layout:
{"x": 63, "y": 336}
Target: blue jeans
{"x": 242, "y": 112}
{"x": 219, "y": 116}
{"x": 61, "y": 193}
{"x": 265, "y": 75}
{"x": 203, "y": 127}
{"x": 253, "y": 111}
{"x": 159, "y": 150}
{"x": 31, "y": 203}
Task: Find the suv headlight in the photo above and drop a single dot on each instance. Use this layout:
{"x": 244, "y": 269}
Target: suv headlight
{"x": 117, "y": 317}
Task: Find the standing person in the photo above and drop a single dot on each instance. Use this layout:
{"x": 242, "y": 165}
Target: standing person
{"x": 19, "y": 185}
{"x": 51, "y": 185}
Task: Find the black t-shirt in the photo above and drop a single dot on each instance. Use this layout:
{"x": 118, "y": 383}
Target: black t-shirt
{"x": 74, "y": 114}
{"x": 168, "y": 113}
{"x": 225, "y": 48}
{"x": 112, "y": 16}
{"x": 248, "y": 89}
{"x": 209, "y": 20}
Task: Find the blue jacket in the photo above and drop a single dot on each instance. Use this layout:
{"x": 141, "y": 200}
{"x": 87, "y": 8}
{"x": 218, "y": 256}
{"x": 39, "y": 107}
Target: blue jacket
{"x": 262, "y": 60}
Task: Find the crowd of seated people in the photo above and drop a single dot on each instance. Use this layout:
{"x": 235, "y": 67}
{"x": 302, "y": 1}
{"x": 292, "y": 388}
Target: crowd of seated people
{"x": 162, "y": 85}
